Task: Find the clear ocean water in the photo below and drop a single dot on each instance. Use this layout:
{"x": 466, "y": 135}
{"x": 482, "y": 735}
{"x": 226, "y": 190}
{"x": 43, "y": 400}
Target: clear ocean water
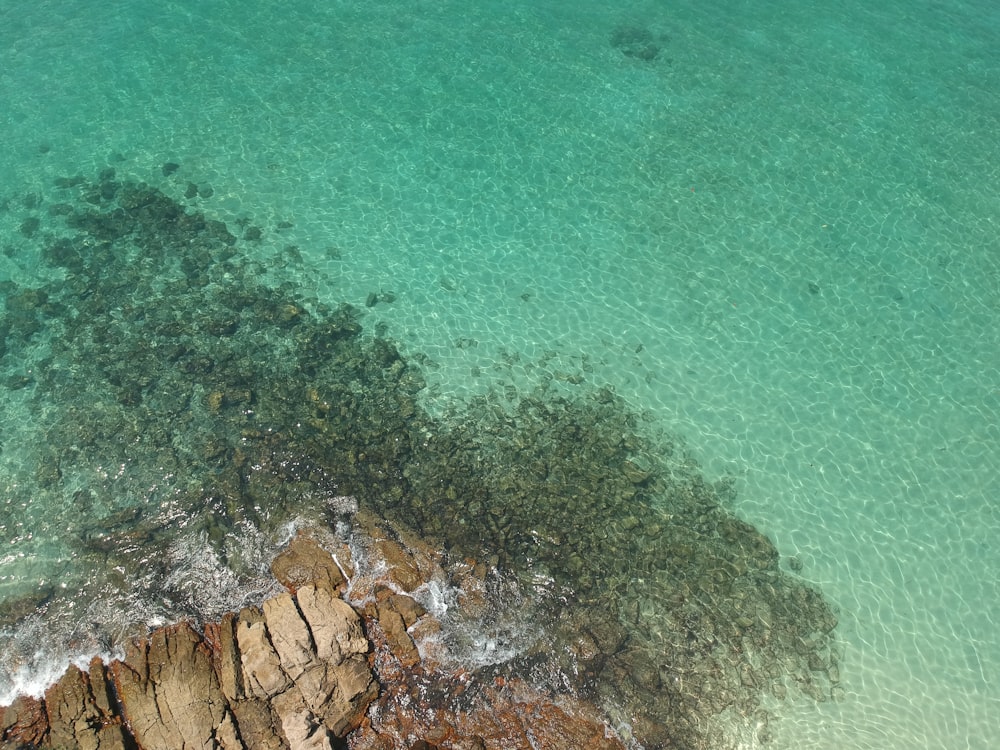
{"x": 771, "y": 226}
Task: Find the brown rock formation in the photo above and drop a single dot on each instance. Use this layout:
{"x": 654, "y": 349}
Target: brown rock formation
{"x": 297, "y": 673}
{"x": 23, "y": 723}
{"x": 80, "y": 714}
{"x": 291, "y": 674}
{"x": 306, "y": 562}
{"x": 169, "y": 691}
{"x": 396, "y": 613}
{"x": 423, "y": 703}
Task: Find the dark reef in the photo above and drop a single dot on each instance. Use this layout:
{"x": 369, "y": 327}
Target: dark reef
{"x": 152, "y": 344}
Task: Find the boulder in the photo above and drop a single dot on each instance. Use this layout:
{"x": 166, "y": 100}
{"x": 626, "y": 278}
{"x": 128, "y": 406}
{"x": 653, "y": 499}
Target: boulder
{"x": 306, "y": 562}
{"x": 409, "y": 608}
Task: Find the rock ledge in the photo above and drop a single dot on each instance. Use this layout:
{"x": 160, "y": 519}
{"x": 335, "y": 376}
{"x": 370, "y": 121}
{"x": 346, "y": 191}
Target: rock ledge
{"x": 297, "y": 672}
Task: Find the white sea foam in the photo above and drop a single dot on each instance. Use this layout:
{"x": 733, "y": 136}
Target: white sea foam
{"x": 93, "y": 619}
{"x": 437, "y": 597}
{"x": 33, "y": 680}
{"x": 39, "y": 650}
{"x": 484, "y": 635}
{"x": 199, "y": 582}
{"x": 195, "y": 579}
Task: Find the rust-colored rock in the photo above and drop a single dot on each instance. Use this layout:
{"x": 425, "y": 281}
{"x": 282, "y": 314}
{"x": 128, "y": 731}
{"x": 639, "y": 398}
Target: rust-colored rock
{"x": 409, "y": 562}
{"x": 487, "y": 717}
{"x": 426, "y": 704}
{"x": 408, "y": 608}
{"x": 23, "y": 723}
{"x": 400, "y": 642}
{"x": 403, "y": 570}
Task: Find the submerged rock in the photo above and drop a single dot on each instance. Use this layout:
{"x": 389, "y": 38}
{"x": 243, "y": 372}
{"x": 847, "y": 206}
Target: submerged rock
{"x": 307, "y": 563}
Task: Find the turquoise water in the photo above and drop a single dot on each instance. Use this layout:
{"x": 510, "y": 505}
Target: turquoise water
{"x": 772, "y": 229}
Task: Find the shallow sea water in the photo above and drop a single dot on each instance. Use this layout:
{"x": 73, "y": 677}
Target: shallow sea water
{"x": 774, "y": 229}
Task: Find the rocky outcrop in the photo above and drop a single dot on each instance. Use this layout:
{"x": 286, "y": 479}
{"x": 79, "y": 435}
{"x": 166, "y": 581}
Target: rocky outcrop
{"x": 464, "y": 711}
{"x": 176, "y": 359}
{"x": 426, "y": 701}
{"x": 305, "y": 670}
{"x": 23, "y": 723}
{"x": 293, "y": 673}
{"x": 170, "y": 691}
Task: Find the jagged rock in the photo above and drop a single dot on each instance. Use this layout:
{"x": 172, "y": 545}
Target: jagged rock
{"x": 301, "y": 728}
{"x": 296, "y": 673}
{"x": 354, "y": 689}
{"x": 226, "y": 734}
{"x": 306, "y": 655}
{"x": 403, "y": 570}
{"x": 258, "y": 725}
{"x": 101, "y": 689}
{"x": 169, "y": 690}
{"x": 400, "y": 642}
{"x": 290, "y": 637}
{"x": 334, "y": 680}
{"x": 79, "y": 715}
{"x": 226, "y": 656}
{"x": 67, "y": 702}
{"x": 263, "y": 677}
{"x": 409, "y": 608}
{"x": 298, "y": 703}
{"x": 335, "y": 625}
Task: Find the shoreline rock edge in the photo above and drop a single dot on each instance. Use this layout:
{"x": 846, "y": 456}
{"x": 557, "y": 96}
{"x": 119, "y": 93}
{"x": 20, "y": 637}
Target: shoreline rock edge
{"x": 299, "y": 671}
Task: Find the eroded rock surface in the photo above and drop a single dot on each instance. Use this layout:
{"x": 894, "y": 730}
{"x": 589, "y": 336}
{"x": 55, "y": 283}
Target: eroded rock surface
{"x": 299, "y": 673}
{"x": 293, "y": 673}
{"x": 80, "y": 712}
